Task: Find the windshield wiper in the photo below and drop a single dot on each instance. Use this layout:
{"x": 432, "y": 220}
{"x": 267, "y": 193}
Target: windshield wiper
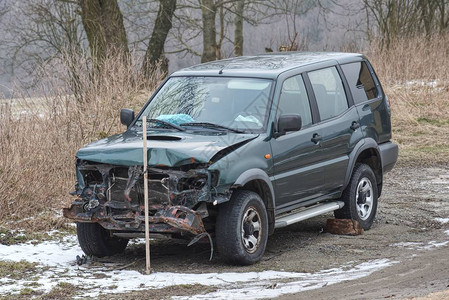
{"x": 168, "y": 124}
{"x": 211, "y": 125}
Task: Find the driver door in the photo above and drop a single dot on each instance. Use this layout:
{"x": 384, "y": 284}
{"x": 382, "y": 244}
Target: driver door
{"x": 297, "y": 172}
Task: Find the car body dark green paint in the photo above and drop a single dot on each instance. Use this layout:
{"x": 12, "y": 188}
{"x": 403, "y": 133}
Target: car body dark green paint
{"x": 288, "y": 171}
{"x": 171, "y": 149}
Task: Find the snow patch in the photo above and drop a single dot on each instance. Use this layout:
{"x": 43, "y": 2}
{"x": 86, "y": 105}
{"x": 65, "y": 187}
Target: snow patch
{"x": 433, "y": 244}
{"x": 408, "y": 245}
{"x": 421, "y": 246}
{"x": 307, "y": 281}
{"x": 50, "y": 253}
{"x": 442, "y": 220}
{"x": 59, "y": 256}
{"x": 433, "y": 83}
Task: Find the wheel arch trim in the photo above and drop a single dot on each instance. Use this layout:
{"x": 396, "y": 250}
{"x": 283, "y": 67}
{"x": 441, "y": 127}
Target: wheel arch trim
{"x": 365, "y": 144}
{"x": 254, "y": 175}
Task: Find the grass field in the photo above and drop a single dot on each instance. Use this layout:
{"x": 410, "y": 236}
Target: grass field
{"x": 40, "y": 136}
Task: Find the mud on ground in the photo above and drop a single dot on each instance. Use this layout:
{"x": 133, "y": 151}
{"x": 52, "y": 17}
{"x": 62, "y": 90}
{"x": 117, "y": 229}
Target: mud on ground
{"x": 414, "y": 202}
{"x": 410, "y": 237}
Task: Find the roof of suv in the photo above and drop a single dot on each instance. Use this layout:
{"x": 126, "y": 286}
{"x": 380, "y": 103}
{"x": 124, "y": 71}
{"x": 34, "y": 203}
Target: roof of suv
{"x": 268, "y": 65}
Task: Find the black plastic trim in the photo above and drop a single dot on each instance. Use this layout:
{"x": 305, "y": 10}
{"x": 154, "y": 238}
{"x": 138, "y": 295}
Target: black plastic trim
{"x": 312, "y": 100}
{"x": 364, "y": 144}
{"x": 349, "y": 98}
{"x": 389, "y": 153}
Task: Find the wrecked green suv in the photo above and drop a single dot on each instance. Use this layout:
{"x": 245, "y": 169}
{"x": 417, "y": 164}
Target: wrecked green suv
{"x": 238, "y": 148}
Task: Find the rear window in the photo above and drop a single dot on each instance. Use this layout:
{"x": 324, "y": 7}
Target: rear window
{"x": 360, "y": 81}
{"x": 329, "y": 92}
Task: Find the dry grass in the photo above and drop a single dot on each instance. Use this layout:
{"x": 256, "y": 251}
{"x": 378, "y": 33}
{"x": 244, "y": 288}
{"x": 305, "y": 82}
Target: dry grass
{"x": 18, "y": 270}
{"x": 61, "y": 291}
{"x": 415, "y": 76}
{"x": 40, "y": 136}
{"x": 38, "y": 147}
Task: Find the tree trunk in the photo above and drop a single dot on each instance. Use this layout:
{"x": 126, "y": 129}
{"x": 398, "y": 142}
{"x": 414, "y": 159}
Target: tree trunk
{"x": 444, "y": 21}
{"x": 103, "y": 23}
{"x": 425, "y": 16}
{"x": 393, "y": 29}
{"x": 162, "y": 26}
{"x": 238, "y": 28}
{"x": 221, "y": 34}
{"x": 209, "y": 11}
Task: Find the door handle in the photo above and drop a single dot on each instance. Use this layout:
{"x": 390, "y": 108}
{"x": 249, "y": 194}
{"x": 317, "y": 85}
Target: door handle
{"x": 316, "y": 138}
{"x": 354, "y": 126}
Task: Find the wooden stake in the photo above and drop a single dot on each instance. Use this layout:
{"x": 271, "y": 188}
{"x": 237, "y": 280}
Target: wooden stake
{"x": 145, "y": 193}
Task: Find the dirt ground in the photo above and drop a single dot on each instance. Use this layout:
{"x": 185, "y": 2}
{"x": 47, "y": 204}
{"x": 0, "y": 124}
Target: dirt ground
{"x": 412, "y": 277}
{"x": 410, "y": 235}
{"x": 406, "y": 231}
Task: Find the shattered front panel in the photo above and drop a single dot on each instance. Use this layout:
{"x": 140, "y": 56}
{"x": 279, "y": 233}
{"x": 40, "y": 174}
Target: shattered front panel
{"x": 120, "y": 182}
{"x": 113, "y": 196}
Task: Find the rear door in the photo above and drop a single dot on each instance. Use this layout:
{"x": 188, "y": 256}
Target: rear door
{"x": 369, "y": 100}
{"x": 338, "y": 126}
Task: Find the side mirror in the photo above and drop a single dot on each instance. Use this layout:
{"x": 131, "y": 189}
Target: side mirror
{"x": 289, "y": 123}
{"x": 126, "y": 116}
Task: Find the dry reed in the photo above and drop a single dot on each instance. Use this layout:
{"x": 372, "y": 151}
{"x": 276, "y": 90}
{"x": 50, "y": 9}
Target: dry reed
{"x": 40, "y": 136}
{"x": 415, "y": 75}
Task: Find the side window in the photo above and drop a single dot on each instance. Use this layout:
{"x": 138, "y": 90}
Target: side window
{"x": 360, "y": 81}
{"x": 294, "y": 100}
{"x": 329, "y": 92}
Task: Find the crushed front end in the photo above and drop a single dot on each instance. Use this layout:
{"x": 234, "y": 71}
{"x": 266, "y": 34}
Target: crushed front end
{"x": 180, "y": 199}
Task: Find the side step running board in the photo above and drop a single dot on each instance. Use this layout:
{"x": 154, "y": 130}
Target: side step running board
{"x": 307, "y": 213}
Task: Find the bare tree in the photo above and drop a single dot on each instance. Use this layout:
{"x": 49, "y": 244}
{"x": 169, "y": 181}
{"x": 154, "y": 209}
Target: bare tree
{"x": 209, "y": 12}
{"x": 220, "y": 23}
{"x": 443, "y": 15}
{"x": 155, "y": 50}
{"x": 103, "y": 23}
{"x": 3, "y": 8}
{"x": 55, "y": 31}
{"x": 404, "y": 18}
{"x": 427, "y": 11}
{"x": 238, "y": 27}
{"x": 48, "y": 29}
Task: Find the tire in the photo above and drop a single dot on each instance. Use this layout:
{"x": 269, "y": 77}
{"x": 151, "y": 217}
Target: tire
{"x": 239, "y": 240}
{"x": 360, "y": 197}
{"x": 96, "y": 241}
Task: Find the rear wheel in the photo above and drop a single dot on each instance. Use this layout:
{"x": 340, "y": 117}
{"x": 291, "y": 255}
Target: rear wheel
{"x": 360, "y": 197}
{"x": 242, "y": 228}
{"x": 96, "y": 241}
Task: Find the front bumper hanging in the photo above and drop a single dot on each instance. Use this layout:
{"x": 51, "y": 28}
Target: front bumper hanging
{"x": 113, "y": 197}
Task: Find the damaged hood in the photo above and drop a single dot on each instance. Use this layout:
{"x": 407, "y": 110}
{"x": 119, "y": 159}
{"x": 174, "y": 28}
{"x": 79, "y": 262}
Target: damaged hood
{"x": 170, "y": 149}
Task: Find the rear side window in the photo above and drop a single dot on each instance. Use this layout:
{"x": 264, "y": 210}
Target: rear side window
{"x": 294, "y": 99}
{"x": 360, "y": 81}
{"x": 329, "y": 92}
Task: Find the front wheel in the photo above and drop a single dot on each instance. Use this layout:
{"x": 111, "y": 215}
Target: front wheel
{"x": 242, "y": 228}
{"x": 96, "y": 241}
{"x": 360, "y": 197}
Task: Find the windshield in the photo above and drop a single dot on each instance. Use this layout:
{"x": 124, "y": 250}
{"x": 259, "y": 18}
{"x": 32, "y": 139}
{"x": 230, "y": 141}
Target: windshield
{"x": 236, "y": 103}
